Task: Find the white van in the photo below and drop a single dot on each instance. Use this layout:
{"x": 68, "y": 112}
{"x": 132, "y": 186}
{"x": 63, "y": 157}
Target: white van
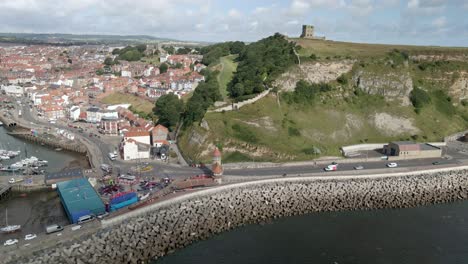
{"x": 53, "y": 228}
{"x": 85, "y": 218}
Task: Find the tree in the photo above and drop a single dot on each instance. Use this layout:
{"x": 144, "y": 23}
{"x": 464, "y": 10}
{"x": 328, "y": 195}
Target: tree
{"x": 169, "y": 109}
{"x": 179, "y": 65}
{"x": 116, "y": 52}
{"x": 237, "y": 47}
{"x": 419, "y": 98}
{"x": 70, "y": 61}
{"x": 260, "y": 63}
{"x": 169, "y": 49}
{"x": 163, "y": 68}
{"x": 183, "y": 50}
{"x": 108, "y": 61}
{"x": 141, "y": 48}
{"x": 204, "y": 96}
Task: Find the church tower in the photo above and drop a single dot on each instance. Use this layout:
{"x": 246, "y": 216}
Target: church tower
{"x": 217, "y": 167}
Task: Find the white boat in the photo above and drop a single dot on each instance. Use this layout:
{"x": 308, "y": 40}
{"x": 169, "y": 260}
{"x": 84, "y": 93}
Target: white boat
{"x": 9, "y": 228}
{"x": 4, "y": 157}
{"x": 1, "y": 124}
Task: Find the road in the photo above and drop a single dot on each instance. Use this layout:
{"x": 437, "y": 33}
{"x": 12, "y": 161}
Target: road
{"x": 101, "y": 148}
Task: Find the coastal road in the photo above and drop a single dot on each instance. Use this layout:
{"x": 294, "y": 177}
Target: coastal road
{"x": 162, "y": 169}
{"x": 346, "y": 167}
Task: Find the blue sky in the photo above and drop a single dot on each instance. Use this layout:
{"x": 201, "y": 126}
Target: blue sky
{"x": 422, "y": 22}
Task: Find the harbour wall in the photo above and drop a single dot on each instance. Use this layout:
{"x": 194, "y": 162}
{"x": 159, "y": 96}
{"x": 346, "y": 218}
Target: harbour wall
{"x": 157, "y": 230}
{"x": 78, "y": 148}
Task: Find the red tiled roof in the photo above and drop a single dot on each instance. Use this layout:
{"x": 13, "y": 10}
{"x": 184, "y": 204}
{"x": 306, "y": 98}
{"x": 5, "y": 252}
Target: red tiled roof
{"x": 161, "y": 127}
{"x": 136, "y": 134}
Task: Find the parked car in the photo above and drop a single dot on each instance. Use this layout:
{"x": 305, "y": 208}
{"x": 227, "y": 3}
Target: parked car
{"x": 10, "y": 242}
{"x": 30, "y": 236}
{"x": 101, "y": 216}
{"x": 392, "y": 165}
{"x": 332, "y": 167}
{"x": 359, "y": 167}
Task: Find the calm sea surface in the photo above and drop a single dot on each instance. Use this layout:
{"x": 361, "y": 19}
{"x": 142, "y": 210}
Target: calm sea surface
{"x": 431, "y": 234}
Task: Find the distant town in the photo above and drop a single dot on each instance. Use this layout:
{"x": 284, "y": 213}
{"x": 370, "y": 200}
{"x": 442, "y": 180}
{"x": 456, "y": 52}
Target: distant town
{"x": 68, "y": 83}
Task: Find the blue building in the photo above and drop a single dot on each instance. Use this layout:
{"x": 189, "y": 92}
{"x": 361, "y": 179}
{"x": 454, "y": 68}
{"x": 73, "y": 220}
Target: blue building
{"x": 79, "y": 198}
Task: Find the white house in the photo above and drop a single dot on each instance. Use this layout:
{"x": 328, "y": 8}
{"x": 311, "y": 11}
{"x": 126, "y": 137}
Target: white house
{"x": 148, "y": 71}
{"x": 109, "y": 114}
{"x": 139, "y": 136}
{"x": 75, "y": 112}
{"x": 127, "y": 74}
{"x": 13, "y": 90}
{"x": 132, "y": 150}
{"x": 37, "y": 97}
{"x": 92, "y": 115}
{"x": 163, "y": 57}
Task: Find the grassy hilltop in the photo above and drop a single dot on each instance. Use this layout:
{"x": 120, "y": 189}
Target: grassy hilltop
{"x": 349, "y": 93}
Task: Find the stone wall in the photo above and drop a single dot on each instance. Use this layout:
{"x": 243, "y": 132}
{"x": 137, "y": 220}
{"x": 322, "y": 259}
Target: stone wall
{"x": 157, "y": 230}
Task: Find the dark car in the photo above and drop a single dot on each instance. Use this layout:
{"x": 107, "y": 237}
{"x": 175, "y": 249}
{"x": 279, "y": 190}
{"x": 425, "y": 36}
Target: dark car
{"x": 436, "y": 163}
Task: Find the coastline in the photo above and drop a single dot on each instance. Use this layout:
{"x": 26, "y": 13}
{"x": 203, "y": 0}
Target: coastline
{"x": 157, "y": 230}
{"x": 24, "y": 133}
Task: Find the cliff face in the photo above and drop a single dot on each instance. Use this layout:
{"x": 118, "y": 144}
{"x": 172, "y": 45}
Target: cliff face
{"x": 393, "y": 86}
{"x": 459, "y": 89}
{"x": 313, "y": 72}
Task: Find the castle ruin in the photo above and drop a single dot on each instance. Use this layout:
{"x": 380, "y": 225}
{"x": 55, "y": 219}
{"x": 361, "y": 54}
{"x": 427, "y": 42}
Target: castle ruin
{"x": 308, "y": 32}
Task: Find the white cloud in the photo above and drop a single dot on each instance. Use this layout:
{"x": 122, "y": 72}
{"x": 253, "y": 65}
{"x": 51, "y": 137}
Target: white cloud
{"x": 234, "y": 13}
{"x": 439, "y": 22}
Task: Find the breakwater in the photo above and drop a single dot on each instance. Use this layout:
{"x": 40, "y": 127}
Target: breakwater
{"x": 159, "y": 229}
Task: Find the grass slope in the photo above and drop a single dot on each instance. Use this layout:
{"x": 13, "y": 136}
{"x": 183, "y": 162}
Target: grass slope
{"x": 328, "y": 48}
{"x": 137, "y": 103}
{"x": 227, "y": 67}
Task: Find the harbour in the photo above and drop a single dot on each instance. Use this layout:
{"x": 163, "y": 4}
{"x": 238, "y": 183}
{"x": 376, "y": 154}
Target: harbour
{"x": 32, "y": 210}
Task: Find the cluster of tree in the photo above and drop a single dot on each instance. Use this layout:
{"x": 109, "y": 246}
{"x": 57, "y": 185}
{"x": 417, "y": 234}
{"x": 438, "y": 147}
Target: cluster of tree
{"x": 163, "y": 67}
{"x": 260, "y": 63}
{"x": 305, "y": 93}
{"x": 419, "y": 98}
{"x": 130, "y": 53}
{"x": 204, "y": 96}
{"x": 170, "y": 109}
{"x": 211, "y": 54}
{"x": 169, "y": 49}
{"x": 183, "y": 50}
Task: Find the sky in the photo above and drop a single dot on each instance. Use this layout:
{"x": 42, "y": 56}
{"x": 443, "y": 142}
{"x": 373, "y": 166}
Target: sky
{"x": 419, "y": 22}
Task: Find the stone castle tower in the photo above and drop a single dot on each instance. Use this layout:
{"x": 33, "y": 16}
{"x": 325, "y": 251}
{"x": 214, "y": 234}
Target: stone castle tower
{"x": 307, "y": 32}
{"x": 217, "y": 167}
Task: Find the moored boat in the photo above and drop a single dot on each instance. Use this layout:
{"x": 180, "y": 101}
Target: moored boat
{"x": 9, "y": 228}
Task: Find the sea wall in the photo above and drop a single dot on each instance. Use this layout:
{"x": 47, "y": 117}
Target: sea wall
{"x": 159, "y": 229}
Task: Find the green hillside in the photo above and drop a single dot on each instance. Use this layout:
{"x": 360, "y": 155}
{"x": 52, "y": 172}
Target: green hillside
{"x": 374, "y": 93}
